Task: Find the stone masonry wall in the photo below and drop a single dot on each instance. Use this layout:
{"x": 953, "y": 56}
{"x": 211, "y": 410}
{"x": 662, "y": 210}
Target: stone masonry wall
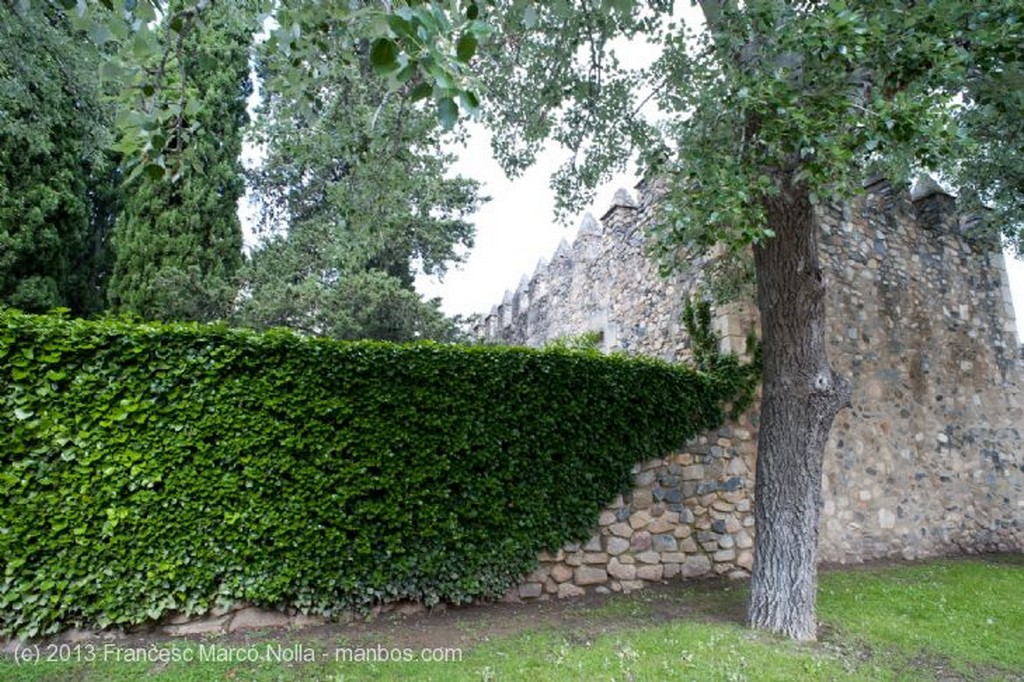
{"x": 929, "y": 461}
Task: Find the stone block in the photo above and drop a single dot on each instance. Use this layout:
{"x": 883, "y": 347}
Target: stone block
{"x": 566, "y": 590}
{"x": 694, "y": 472}
{"x": 621, "y": 571}
{"x": 560, "y": 573}
{"x": 254, "y": 617}
{"x": 595, "y": 558}
{"x": 664, "y": 543}
{"x": 549, "y": 557}
{"x": 205, "y": 626}
{"x": 659, "y": 526}
{"x": 574, "y": 558}
{"x": 305, "y": 620}
{"x": 641, "y": 541}
{"x": 724, "y": 555}
{"x": 531, "y": 590}
{"x": 652, "y": 573}
{"x": 642, "y": 498}
{"x": 538, "y": 575}
{"x": 696, "y": 566}
{"x": 590, "y": 575}
{"x": 615, "y": 546}
{"x": 644, "y": 478}
{"x": 622, "y": 530}
{"x": 688, "y": 545}
{"x": 639, "y": 520}
{"x": 648, "y": 557}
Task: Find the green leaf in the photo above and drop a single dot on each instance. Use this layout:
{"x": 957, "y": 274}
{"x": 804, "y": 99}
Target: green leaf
{"x": 466, "y": 47}
{"x": 421, "y": 91}
{"x": 470, "y": 101}
{"x": 100, "y": 33}
{"x": 384, "y": 54}
{"x": 447, "y": 112}
{"x": 154, "y": 171}
{"x": 144, "y": 10}
{"x": 110, "y": 71}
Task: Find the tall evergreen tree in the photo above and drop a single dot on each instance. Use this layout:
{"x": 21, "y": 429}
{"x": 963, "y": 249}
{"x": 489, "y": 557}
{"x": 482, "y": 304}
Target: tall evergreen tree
{"x": 56, "y": 177}
{"x": 178, "y": 243}
{"x": 353, "y": 195}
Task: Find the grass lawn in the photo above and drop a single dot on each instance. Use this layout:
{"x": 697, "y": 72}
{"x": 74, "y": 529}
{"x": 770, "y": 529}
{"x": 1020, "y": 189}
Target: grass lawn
{"x": 957, "y": 619}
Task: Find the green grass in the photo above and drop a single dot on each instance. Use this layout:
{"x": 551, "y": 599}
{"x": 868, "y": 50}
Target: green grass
{"x": 952, "y": 619}
{"x": 969, "y": 612}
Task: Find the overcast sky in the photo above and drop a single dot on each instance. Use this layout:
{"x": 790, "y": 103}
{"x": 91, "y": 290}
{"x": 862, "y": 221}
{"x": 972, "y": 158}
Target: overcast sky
{"x": 516, "y": 229}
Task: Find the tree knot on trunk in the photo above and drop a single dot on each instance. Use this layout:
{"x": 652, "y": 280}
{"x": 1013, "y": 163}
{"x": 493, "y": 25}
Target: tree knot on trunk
{"x": 831, "y": 389}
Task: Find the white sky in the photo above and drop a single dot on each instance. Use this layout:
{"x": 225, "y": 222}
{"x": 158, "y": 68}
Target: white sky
{"x": 517, "y": 228}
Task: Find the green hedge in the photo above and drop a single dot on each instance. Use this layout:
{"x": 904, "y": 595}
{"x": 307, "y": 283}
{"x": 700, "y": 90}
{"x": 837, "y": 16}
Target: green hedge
{"x": 149, "y": 469}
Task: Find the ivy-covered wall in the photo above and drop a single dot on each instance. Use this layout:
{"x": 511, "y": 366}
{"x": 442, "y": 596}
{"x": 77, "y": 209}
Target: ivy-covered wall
{"x": 151, "y": 469}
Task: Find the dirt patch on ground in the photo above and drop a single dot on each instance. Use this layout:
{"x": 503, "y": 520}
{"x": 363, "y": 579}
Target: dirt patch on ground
{"x": 466, "y": 626}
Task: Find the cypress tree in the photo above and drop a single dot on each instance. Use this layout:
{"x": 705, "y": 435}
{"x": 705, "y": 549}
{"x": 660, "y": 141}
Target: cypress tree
{"x": 178, "y": 243}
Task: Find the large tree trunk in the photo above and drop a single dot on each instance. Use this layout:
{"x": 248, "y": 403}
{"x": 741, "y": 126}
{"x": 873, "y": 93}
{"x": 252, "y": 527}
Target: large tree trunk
{"x": 802, "y": 395}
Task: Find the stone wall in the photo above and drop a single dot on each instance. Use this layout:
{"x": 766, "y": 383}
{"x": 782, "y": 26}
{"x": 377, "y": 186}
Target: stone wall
{"x": 929, "y": 461}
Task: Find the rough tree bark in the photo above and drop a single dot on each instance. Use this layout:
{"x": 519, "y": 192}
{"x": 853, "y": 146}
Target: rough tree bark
{"x": 801, "y": 396}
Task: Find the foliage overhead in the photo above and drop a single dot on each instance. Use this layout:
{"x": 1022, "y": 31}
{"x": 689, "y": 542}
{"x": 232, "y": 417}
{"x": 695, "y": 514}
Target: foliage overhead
{"x": 152, "y": 469}
{"x": 841, "y": 88}
{"x": 426, "y": 47}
